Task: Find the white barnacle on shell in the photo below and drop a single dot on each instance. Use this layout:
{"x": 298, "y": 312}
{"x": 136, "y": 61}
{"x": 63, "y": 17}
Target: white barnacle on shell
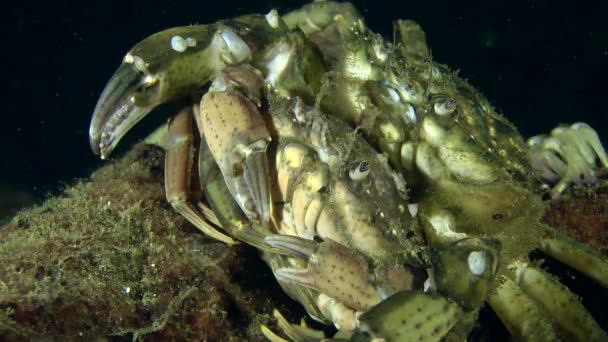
{"x": 477, "y": 262}
{"x": 219, "y": 85}
{"x": 273, "y": 18}
{"x": 413, "y": 209}
{"x": 178, "y": 43}
{"x": 410, "y": 114}
{"x": 191, "y": 42}
{"x": 279, "y": 61}
{"x": 233, "y": 48}
{"x": 443, "y": 224}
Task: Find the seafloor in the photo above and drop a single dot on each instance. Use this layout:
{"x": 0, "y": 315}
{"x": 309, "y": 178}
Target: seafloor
{"x": 110, "y": 260}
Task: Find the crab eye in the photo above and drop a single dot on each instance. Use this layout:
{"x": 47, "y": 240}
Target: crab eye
{"x": 445, "y": 106}
{"x": 359, "y": 172}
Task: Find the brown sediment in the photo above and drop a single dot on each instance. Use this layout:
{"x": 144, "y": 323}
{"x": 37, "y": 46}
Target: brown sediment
{"x": 582, "y": 214}
{"x": 110, "y": 258}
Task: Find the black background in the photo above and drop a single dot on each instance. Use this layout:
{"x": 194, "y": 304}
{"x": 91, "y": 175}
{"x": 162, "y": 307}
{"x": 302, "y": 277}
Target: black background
{"x": 539, "y": 62}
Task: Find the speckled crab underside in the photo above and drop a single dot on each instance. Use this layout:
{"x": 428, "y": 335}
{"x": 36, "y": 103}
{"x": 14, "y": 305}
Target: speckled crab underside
{"x": 386, "y": 194}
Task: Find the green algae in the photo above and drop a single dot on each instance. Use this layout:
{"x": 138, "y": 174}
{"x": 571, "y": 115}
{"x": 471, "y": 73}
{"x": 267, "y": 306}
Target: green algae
{"x": 109, "y": 258}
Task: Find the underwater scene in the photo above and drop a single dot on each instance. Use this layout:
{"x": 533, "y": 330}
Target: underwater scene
{"x": 305, "y": 171}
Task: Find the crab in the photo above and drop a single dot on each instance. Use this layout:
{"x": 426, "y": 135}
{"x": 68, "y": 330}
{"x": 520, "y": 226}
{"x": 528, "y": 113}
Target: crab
{"x": 385, "y": 193}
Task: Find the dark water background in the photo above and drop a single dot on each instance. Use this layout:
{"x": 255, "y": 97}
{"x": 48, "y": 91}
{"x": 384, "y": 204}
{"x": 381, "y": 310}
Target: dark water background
{"x": 539, "y": 62}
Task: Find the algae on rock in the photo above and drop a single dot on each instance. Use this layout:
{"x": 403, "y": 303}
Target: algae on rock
{"x": 110, "y": 257}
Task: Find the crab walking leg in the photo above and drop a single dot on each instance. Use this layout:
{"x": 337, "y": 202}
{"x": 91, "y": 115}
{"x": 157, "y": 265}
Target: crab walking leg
{"x": 577, "y": 256}
{"x": 178, "y": 173}
{"x": 223, "y": 207}
{"x": 570, "y": 154}
{"x": 522, "y": 317}
{"x": 336, "y": 270}
{"x": 237, "y": 137}
{"x": 316, "y": 16}
{"x": 297, "y": 333}
{"x": 561, "y": 304}
{"x": 411, "y": 316}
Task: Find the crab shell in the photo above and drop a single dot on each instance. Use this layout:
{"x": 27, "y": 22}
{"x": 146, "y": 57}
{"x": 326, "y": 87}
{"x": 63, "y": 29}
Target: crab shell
{"x": 465, "y": 166}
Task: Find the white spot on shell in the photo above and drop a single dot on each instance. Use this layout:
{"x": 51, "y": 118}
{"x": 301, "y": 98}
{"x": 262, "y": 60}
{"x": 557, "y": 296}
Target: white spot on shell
{"x": 393, "y": 94}
{"x": 278, "y": 63}
{"x": 427, "y": 285}
{"x": 477, "y": 262}
{"x": 219, "y": 84}
{"x": 238, "y": 50}
{"x": 443, "y": 225}
{"x": 413, "y": 209}
{"x": 178, "y": 43}
{"x": 273, "y": 18}
{"x": 410, "y": 114}
{"x": 191, "y": 42}
{"x": 379, "y": 49}
{"x": 128, "y": 58}
{"x": 150, "y": 80}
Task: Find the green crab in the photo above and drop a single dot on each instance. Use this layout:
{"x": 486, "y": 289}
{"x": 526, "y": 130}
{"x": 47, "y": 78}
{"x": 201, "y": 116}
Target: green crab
{"x": 386, "y": 194}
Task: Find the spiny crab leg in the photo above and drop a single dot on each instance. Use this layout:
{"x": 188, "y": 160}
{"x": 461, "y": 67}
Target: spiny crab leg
{"x": 178, "y": 173}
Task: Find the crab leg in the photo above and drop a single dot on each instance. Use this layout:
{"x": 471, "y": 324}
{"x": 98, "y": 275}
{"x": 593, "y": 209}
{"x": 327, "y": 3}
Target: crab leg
{"x": 560, "y": 303}
{"x": 568, "y": 155}
{"x": 577, "y": 256}
{"x": 522, "y": 317}
{"x": 228, "y": 214}
{"x": 178, "y": 173}
{"x": 238, "y": 138}
{"x": 339, "y": 272}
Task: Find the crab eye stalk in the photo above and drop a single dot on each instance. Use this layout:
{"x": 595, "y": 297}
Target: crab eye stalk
{"x": 445, "y": 106}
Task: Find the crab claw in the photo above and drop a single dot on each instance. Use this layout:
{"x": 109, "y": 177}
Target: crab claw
{"x": 237, "y": 137}
{"x": 116, "y": 111}
{"x": 165, "y": 66}
{"x": 339, "y": 272}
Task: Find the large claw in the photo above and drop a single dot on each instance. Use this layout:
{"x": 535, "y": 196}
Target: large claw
{"x": 172, "y": 64}
{"x": 237, "y": 137}
{"x": 152, "y": 73}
